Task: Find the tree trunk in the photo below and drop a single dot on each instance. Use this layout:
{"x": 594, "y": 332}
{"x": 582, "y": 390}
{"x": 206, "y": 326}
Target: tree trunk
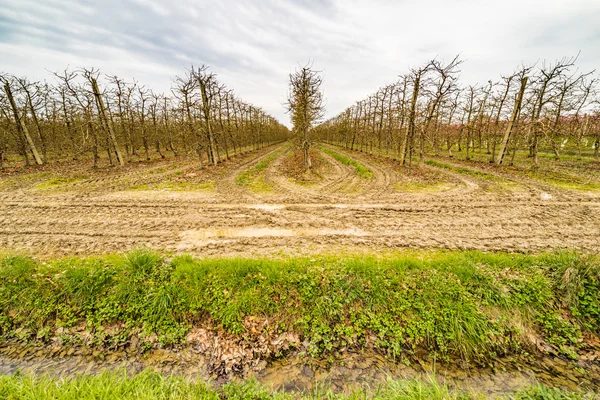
{"x": 69, "y": 124}
{"x": 107, "y": 121}
{"x": 92, "y": 131}
{"x": 229, "y": 125}
{"x": 211, "y": 151}
{"x": 410, "y": 129}
{"x": 21, "y": 127}
{"x": 171, "y": 146}
{"x": 307, "y": 162}
{"x": 38, "y": 127}
{"x": 511, "y": 122}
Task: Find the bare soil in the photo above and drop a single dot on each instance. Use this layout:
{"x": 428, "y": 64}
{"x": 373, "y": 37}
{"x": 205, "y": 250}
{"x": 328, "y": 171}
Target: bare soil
{"x": 173, "y": 205}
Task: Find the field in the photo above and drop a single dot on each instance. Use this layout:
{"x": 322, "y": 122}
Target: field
{"x": 255, "y": 205}
{"x": 399, "y": 276}
{"x": 299, "y": 200}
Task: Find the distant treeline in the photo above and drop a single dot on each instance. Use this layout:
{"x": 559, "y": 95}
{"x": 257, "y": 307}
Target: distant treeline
{"x": 427, "y": 110}
{"x": 80, "y": 115}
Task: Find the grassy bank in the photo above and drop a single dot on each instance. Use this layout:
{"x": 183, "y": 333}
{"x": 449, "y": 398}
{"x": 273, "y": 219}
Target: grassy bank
{"x": 361, "y": 170}
{"x": 148, "y": 385}
{"x": 469, "y": 304}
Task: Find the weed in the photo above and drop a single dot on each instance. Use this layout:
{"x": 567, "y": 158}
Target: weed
{"x": 253, "y": 177}
{"x": 452, "y": 303}
{"x": 150, "y": 385}
{"x": 361, "y": 170}
{"x": 465, "y": 171}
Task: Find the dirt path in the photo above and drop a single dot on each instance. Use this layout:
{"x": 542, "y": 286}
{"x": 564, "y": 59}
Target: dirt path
{"x": 341, "y": 213}
{"x": 288, "y": 191}
{"x": 338, "y": 184}
{"x": 531, "y": 186}
{"x": 227, "y": 186}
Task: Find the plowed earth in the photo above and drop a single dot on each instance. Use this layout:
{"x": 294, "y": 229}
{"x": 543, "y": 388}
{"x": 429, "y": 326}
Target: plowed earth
{"x": 174, "y": 206}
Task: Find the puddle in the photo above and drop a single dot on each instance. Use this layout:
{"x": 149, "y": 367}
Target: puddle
{"x": 290, "y": 206}
{"x": 236, "y": 233}
{"x": 343, "y": 232}
{"x": 268, "y": 232}
{"x": 267, "y": 207}
{"x": 256, "y": 232}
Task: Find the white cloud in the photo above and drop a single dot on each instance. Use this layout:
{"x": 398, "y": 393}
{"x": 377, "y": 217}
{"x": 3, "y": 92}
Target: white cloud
{"x": 252, "y": 45}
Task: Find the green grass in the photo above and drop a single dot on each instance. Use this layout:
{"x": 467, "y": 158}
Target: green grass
{"x": 58, "y": 183}
{"x": 466, "y": 304}
{"x": 562, "y": 180}
{"x": 24, "y": 179}
{"x": 568, "y": 173}
{"x": 522, "y": 158}
{"x": 412, "y": 186}
{"x": 252, "y": 177}
{"x": 465, "y": 171}
{"x": 361, "y": 170}
{"x": 149, "y": 385}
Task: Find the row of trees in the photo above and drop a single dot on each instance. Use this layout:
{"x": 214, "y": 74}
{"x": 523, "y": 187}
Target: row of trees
{"x": 427, "y": 110}
{"x": 78, "y": 116}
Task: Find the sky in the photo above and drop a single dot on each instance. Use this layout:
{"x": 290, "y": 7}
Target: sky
{"x": 253, "y": 45}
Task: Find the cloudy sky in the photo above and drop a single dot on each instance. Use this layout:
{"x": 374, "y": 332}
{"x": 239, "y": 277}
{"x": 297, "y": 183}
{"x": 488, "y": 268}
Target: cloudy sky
{"x": 253, "y": 45}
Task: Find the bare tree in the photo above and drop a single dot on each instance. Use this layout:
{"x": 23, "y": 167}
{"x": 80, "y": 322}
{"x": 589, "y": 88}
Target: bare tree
{"x": 305, "y": 105}
{"x": 92, "y": 76}
{"x": 551, "y": 106}
{"x": 549, "y": 75}
{"x": 522, "y": 76}
{"x": 20, "y": 123}
{"x": 207, "y": 83}
{"x": 85, "y": 112}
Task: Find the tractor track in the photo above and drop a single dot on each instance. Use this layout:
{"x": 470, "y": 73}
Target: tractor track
{"x": 342, "y": 212}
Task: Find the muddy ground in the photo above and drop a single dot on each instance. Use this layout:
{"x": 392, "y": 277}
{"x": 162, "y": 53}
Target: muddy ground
{"x": 172, "y": 205}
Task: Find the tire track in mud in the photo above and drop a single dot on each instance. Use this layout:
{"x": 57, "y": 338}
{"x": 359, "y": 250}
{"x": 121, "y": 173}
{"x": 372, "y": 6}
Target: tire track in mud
{"x": 121, "y": 179}
{"x": 141, "y": 176}
{"x": 344, "y": 184}
{"x": 533, "y": 188}
{"x": 468, "y": 185}
{"x": 339, "y": 183}
{"x": 227, "y": 186}
{"x": 217, "y": 229}
{"x": 124, "y": 180}
{"x": 315, "y": 219}
{"x": 288, "y": 191}
{"x": 383, "y": 187}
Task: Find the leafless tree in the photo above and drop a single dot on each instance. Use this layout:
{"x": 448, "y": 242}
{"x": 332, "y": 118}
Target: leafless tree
{"x": 305, "y": 105}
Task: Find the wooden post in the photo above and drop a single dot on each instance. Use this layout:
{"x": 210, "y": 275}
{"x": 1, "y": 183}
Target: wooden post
{"x": 511, "y": 123}
{"x": 107, "y": 121}
{"x": 21, "y": 125}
